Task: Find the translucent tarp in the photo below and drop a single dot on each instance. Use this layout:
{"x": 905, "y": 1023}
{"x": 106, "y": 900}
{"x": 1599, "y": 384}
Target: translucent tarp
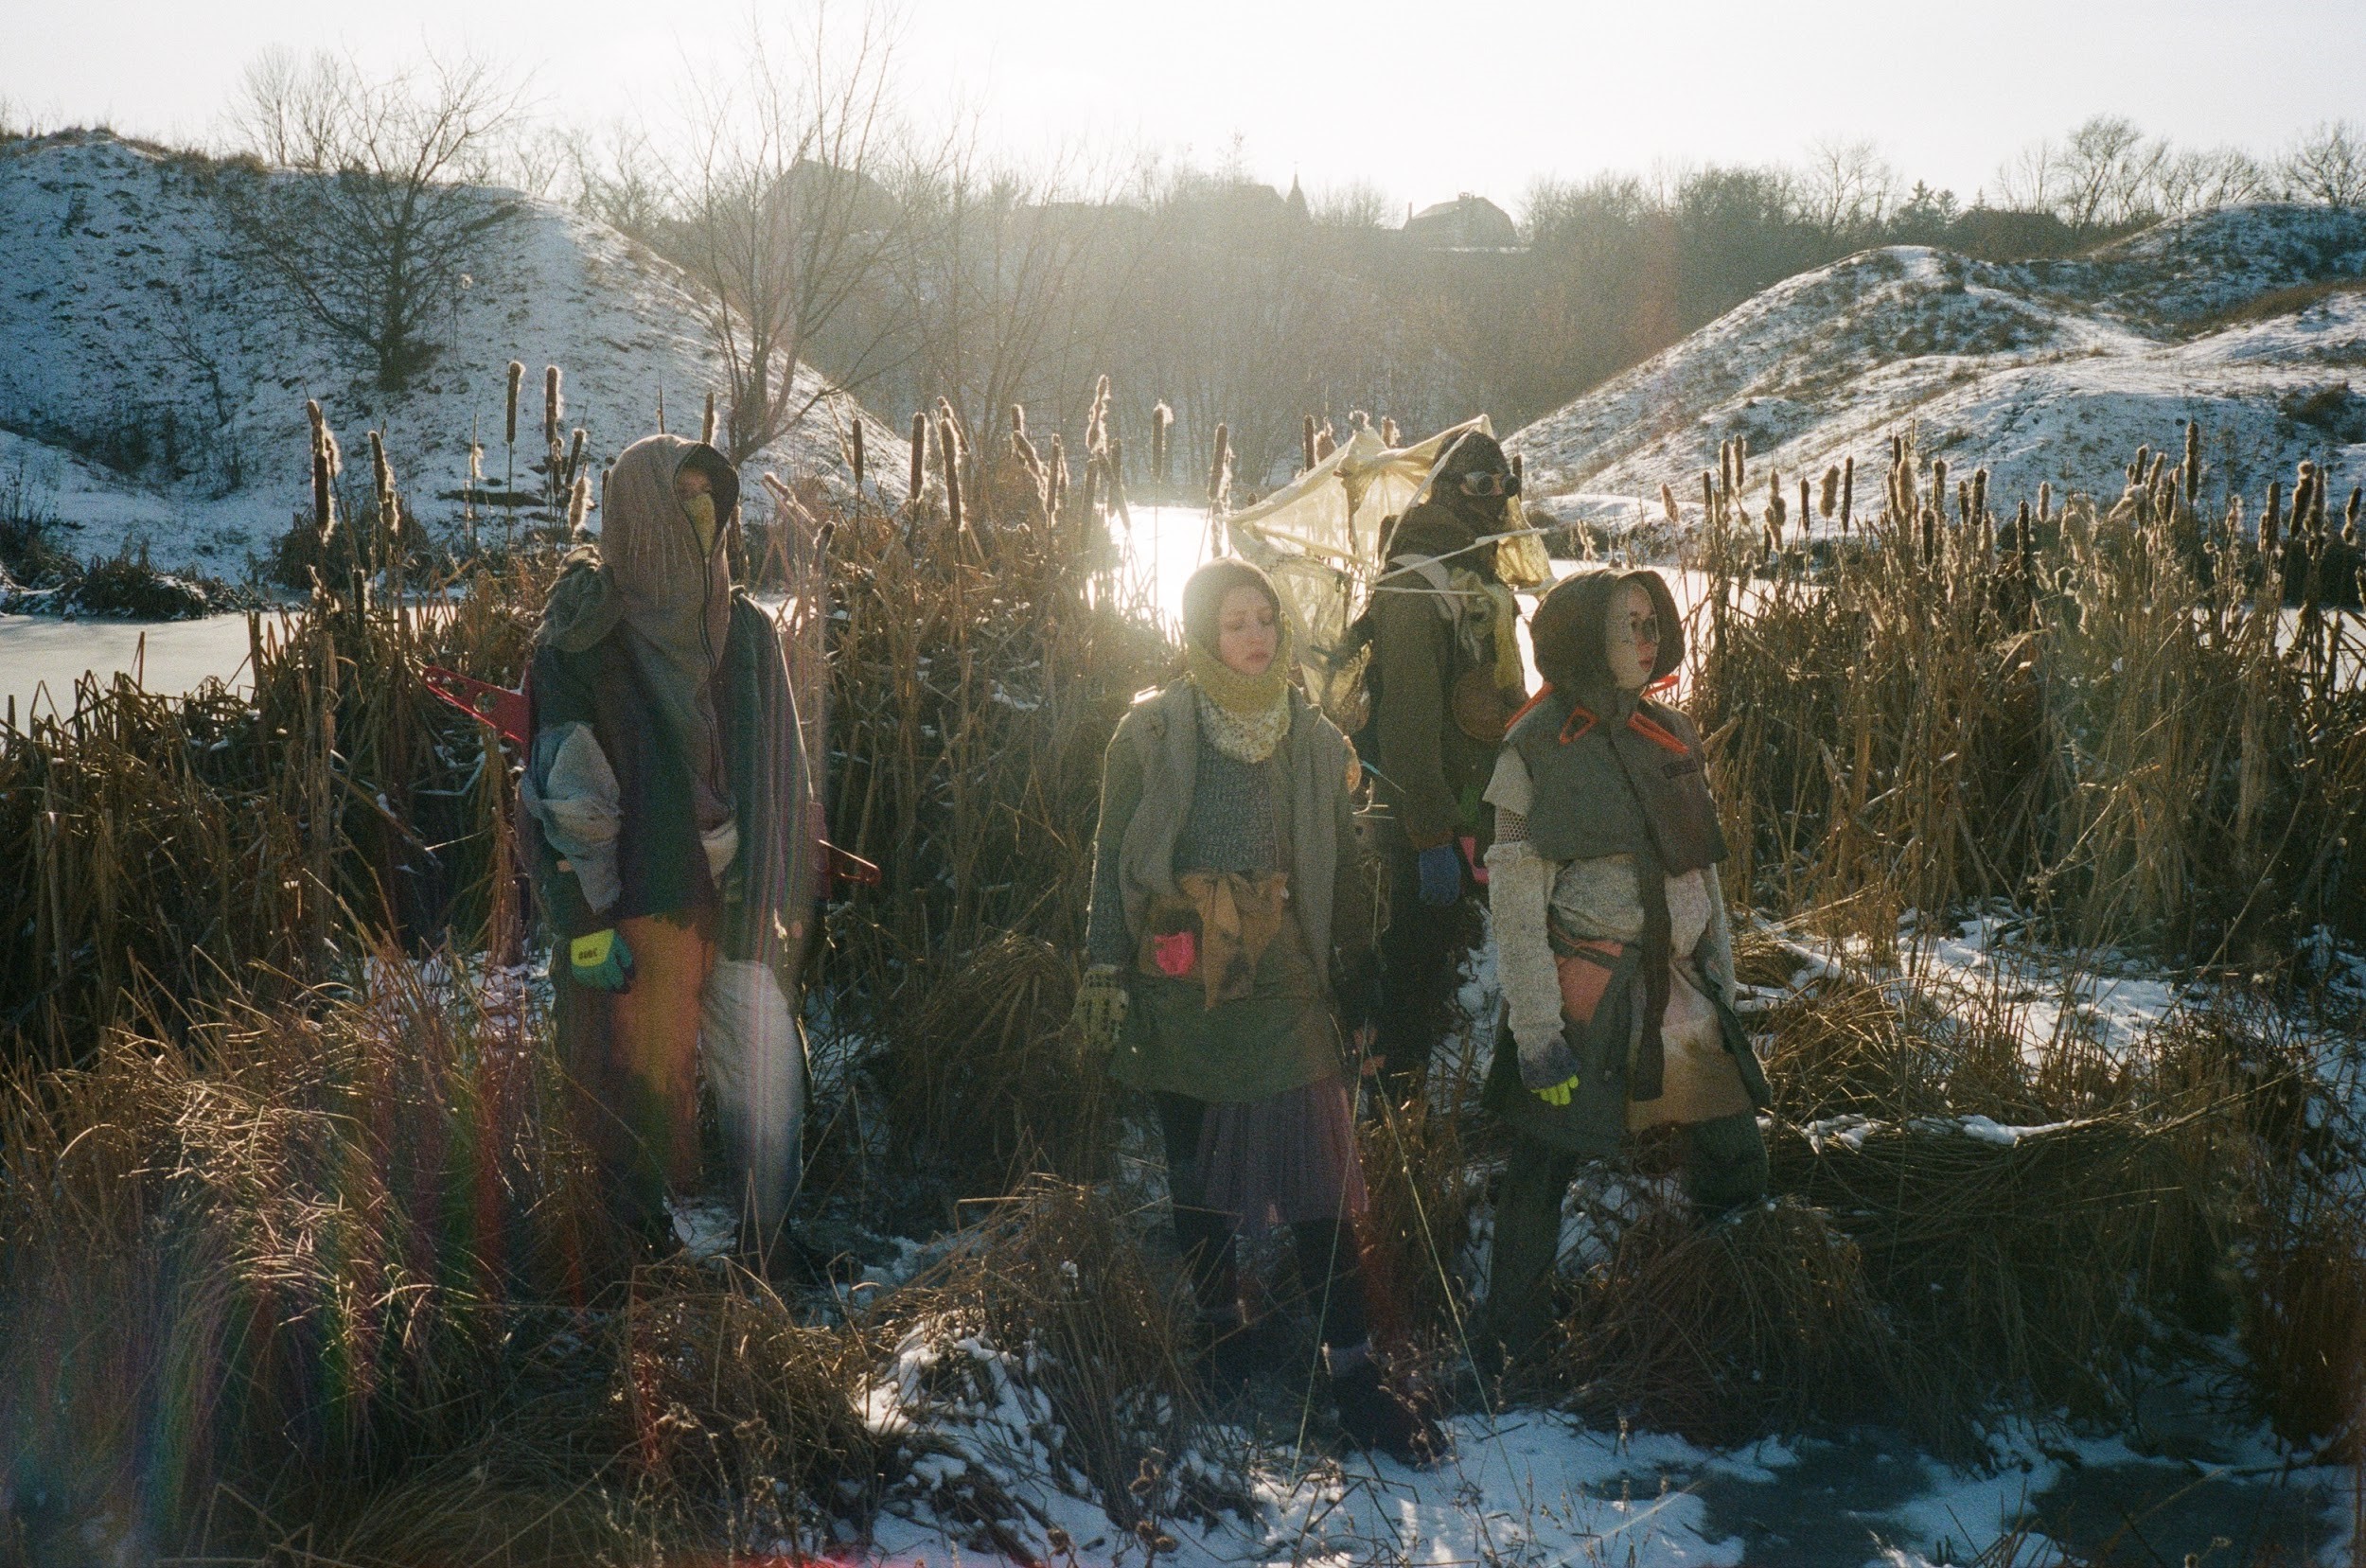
{"x": 1319, "y": 538}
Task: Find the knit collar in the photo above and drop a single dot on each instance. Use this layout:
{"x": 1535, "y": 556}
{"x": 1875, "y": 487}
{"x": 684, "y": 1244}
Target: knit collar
{"x": 1243, "y": 716}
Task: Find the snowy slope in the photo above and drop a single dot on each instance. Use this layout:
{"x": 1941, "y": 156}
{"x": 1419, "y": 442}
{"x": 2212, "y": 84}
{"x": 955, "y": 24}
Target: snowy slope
{"x": 150, "y": 392}
{"x": 2040, "y": 370}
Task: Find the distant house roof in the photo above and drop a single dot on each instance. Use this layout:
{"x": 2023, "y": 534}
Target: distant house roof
{"x": 1466, "y": 224}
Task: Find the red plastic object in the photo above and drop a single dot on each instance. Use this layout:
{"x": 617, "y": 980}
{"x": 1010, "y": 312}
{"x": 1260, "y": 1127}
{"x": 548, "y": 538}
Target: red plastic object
{"x": 507, "y": 711}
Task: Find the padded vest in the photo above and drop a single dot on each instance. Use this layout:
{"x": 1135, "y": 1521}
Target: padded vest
{"x": 1589, "y": 790}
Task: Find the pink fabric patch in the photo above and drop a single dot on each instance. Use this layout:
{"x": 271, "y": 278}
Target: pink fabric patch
{"x": 1174, "y": 954}
{"x": 1469, "y": 854}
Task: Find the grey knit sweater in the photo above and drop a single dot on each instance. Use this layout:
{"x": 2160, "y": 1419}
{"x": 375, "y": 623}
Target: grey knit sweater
{"x": 1234, "y": 825}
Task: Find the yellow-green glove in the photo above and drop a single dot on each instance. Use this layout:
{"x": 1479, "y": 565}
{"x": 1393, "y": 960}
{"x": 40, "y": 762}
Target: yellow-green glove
{"x": 601, "y": 960}
{"x": 1559, "y": 1094}
{"x": 1100, "y": 1004}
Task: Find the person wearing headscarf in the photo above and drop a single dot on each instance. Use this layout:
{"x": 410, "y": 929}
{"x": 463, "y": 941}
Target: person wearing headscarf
{"x": 1445, "y": 673}
{"x": 663, "y": 813}
{"x": 1227, "y": 943}
{"x": 1611, "y": 947}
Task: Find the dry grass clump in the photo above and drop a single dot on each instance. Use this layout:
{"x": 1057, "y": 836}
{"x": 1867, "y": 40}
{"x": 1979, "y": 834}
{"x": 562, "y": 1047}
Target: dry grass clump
{"x": 990, "y": 1084}
{"x": 1762, "y": 1321}
{"x": 2099, "y": 715}
{"x": 2017, "y": 1266}
{"x": 280, "y": 1259}
{"x": 1057, "y": 1280}
{"x": 184, "y": 849}
{"x": 2304, "y": 1331}
{"x": 977, "y": 667}
{"x": 735, "y": 1417}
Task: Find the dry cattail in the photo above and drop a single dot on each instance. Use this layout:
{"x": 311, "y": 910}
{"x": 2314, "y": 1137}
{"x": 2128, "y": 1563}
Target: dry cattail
{"x": 2142, "y": 465}
{"x": 1024, "y": 451}
{"x": 1389, "y": 435}
{"x": 1221, "y": 463}
{"x": 382, "y": 486}
{"x": 1057, "y": 490}
{"x": 706, "y": 421}
{"x": 1847, "y": 490}
{"x": 2350, "y": 514}
{"x": 1908, "y": 502}
{"x": 579, "y": 506}
{"x": 2193, "y": 463}
{"x": 1963, "y": 503}
{"x": 1325, "y": 442}
{"x": 1161, "y": 425}
{"x": 1804, "y": 513}
{"x": 1741, "y": 459}
{"x": 1709, "y": 496}
{"x": 1115, "y": 456}
{"x": 855, "y": 452}
{"x": 1979, "y": 493}
{"x": 553, "y": 406}
{"x": 517, "y": 380}
{"x": 1519, "y": 469}
{"x": 2270, "y": 518}
{"x": 575, "y": 453}
{"x": 2045, "y": 500}
{"x": 1306, "y": 441}
{"x": 1897, "y": 449}
{"x": 1096, "y": 421}
{"x": 1828, "y": 495}
{"x": 1938, "y": 484}
{"x": 1929, "y": 535}
{"x": 2154, "y": 475}
{"x": 1725, "y": 466}
{"x": 950, "y": 468}
{"x": 2304, "y": 497}
{"x": 1667, "y": 505}
{"x": 1018, "y": 418}
{"x": 920, "y": 457}
{"x": 660, "y": 409}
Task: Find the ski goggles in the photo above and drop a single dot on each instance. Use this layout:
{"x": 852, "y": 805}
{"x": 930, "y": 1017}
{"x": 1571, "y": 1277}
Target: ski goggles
{"x": 1489, "y": 481}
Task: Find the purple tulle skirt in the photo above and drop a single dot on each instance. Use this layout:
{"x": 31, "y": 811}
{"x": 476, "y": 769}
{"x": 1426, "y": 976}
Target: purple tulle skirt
{"x": 1280, "y": 1161}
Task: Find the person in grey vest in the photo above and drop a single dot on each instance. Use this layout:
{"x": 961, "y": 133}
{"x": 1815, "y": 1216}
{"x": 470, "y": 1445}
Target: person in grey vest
{"x": 1612, "y": 946}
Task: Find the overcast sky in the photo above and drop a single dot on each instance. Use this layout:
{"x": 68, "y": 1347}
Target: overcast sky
{"x": 1422, "y": 100}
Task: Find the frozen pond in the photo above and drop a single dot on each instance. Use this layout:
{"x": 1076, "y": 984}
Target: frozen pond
{"x": 42, "y": 657}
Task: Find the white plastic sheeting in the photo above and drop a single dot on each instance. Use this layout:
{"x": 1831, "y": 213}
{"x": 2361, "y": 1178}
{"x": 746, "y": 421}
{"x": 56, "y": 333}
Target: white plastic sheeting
{"x": 1320, "y": 537}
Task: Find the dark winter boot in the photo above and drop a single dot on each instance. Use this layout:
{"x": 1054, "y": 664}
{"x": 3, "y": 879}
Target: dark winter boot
{"x": 1377, "y": 1417}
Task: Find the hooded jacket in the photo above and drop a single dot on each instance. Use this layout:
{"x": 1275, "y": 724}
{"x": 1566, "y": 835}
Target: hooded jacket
{"x": 668, "y": 771}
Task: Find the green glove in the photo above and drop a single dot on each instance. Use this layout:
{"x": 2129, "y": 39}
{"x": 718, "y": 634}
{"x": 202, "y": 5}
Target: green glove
{"x": 1559, "y": 1094}
{"x": 601, "y": 960}
{"x": 1100, "y": 1004}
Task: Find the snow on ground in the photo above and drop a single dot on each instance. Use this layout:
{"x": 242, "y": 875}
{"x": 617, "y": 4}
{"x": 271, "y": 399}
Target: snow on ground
{"x": 2041, "y": 371}
{"x": 150, "y": 392}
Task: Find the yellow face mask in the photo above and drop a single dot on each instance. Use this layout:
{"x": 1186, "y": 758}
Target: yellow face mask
{"x": 701, "y": 510}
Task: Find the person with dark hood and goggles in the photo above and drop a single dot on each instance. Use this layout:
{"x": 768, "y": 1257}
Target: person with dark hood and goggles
{"x": 1445, "y": 673}
{"x": 1612, "y": 946}
{"x": 1231, "y": 919}
{"x": 661, "y": 814}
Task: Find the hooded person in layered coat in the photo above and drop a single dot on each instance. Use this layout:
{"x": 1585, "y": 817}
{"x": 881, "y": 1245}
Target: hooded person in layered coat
{"x": 1445, "y": 673}
{"x": 1612, "y": 946}
{"x": 662, "y": 813}
{"x": 1228, "y": 940}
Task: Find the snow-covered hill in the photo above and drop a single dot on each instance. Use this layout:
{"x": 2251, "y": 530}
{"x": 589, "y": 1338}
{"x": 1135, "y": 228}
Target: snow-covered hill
{"x": 151, "y": 391}
{"x": 2252, "y": 319}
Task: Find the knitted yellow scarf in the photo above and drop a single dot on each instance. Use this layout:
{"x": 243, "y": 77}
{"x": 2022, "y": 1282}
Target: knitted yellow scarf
{"x": 1245, "y": 715}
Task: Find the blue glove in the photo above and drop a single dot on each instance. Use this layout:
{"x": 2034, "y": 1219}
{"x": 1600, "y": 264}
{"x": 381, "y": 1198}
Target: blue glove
{"x": 1442, "y": 875}
{"x": 601, "y": 960}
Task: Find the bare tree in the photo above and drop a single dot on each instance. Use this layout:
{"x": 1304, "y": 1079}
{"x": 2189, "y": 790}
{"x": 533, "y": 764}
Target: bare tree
{"x": 1356, "y": 205}
{"x": 2106, "y": 171}
{"x": 2029, "y": 181}
{"x": 369, "y": 223}
{"x": 783, "y": 219}
{"x": 2329, "y": 165}
{"x": 1846, "y": 187}
{"x": 2206, "y": 179}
